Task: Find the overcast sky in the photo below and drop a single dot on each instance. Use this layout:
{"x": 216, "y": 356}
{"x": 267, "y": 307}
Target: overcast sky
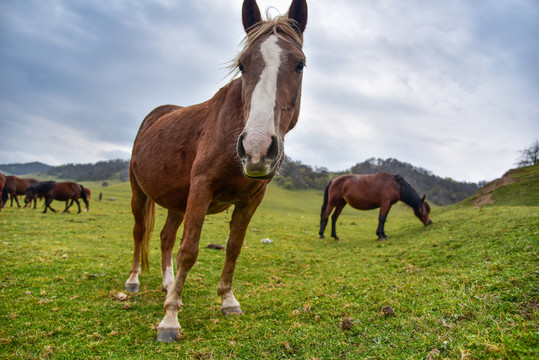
{"x": 450, "y": 86}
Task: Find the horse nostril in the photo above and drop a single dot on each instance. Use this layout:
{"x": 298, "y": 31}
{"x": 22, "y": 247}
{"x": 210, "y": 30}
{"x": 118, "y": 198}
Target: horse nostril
{"x": 240, "y": 148}
{"x": 273, "y": 150}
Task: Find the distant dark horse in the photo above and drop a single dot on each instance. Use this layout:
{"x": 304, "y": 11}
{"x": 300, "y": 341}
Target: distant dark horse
{"x": 202, "y": 159}
{"x": 366, "y": 192}
{"x": 64, "y": 191}
{"x": 17, "y": 186}
{"x": 87, "y": 202}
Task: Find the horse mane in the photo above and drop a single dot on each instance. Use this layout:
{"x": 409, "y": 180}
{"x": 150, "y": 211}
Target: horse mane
{"x": 408, "y": 195}
{"x": 43, "y": 187}
{"x": 278, "y": 25}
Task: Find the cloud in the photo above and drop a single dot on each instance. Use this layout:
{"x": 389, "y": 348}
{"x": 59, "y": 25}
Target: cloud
{"x": 450, "y": 87}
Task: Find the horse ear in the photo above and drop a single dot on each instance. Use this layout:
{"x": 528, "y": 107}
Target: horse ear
{"x": 424, "y": 198}
{"x": 250, "y": 14}
{"x": 298, "y": 12}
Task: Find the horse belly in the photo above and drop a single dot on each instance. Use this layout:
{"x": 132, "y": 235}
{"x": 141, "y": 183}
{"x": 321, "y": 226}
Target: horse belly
{"x": 363, "y": 205}
{"x": 362, "y": 201}
{"x": 164, "y": 192}
{"x": 62, "y": 196}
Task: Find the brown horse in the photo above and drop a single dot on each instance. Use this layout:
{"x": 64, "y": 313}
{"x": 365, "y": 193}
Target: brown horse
{"x": 88, "y": 193}
{"x": 202, "y": 159}
{"x": 367, "y": 192}
{"x": 2, "y": 185}
{"x": 63, "y": 191}
{"x": 17, "y": 186}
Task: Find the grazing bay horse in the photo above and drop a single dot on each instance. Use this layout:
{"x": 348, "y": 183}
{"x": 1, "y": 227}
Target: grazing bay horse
{"x": 17, "y": 186}
{"x": 367, "y": 192}
{"x": 63, "y": 191}
{"x": 204, "y": 158}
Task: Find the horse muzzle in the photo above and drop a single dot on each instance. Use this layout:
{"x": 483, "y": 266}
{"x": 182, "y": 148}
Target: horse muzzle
{"x": 257, "y": 166}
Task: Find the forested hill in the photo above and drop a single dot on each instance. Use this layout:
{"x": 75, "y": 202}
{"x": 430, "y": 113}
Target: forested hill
{"x": 27, "y": 168}
{"x": 293, "y": 175}
{"x": 100, "y": 171}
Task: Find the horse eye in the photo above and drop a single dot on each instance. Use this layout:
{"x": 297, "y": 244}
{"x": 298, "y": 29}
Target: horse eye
{"x": 242, "y": 69}
{"x": 299, "y": 67}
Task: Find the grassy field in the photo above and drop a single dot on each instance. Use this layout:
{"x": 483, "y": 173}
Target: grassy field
{"x": 465, "y": 287}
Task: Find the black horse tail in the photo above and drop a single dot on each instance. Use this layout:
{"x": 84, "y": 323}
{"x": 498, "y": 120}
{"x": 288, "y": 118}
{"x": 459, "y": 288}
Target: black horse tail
{"x": 84, "y": 197}
{"x": 325, "y": 204}
{"x": 5, "y": 196}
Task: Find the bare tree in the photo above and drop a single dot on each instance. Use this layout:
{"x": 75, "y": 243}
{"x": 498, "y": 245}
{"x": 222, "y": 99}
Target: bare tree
{"x": 530, "y": 155}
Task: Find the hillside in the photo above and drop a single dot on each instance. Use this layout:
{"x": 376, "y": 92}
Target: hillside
{"x": 100, "y": 171}
{"x": 464, "y": 287}
{"x": 516, "y": 187}
{"x": 22, "y": 169}
{"x": 293, "y": 176}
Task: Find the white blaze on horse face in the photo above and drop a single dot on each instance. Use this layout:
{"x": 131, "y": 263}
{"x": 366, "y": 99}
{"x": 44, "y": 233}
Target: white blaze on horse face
{"x": 260, "y": 127}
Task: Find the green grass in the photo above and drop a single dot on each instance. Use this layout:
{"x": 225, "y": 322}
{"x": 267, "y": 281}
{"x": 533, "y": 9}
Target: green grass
{"x": 466, "y": 286}
{"x": 522, "y": 188}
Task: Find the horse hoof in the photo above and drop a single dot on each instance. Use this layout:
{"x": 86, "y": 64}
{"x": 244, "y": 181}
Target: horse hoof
{"x": 232, "y": 310}
{"x": 168, "y": 335}
{"x": 132, "y": 287}
{"x": 382, "y": 238}
{"x": 322, "y": 237}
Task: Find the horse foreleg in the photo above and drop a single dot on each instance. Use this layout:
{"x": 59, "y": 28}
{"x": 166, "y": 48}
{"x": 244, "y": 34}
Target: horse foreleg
{"x": 384, "y": 210}
{"x": 335, "y": 216}
{"x": 197, "y": 206}
{"x": 168, "y": 239}
{"x": 238, "y": 227}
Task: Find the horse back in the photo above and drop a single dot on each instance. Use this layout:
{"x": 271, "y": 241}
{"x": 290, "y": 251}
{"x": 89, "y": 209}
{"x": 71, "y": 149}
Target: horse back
{"x": 64, "y": 191}
{"x": 155, "y": 114}
{"x": 365, "y": 192}
{"x": 19, "y": 185}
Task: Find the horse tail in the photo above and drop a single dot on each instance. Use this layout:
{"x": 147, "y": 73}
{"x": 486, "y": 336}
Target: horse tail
{"x": 5, "y": 196}
{"x": 325, "y": 204}
{"x": 149, "y": 221}
{"x": 84, "y": 197}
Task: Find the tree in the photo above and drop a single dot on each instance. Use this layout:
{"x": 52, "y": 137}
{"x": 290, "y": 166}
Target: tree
{"x": 530, "y": 155}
